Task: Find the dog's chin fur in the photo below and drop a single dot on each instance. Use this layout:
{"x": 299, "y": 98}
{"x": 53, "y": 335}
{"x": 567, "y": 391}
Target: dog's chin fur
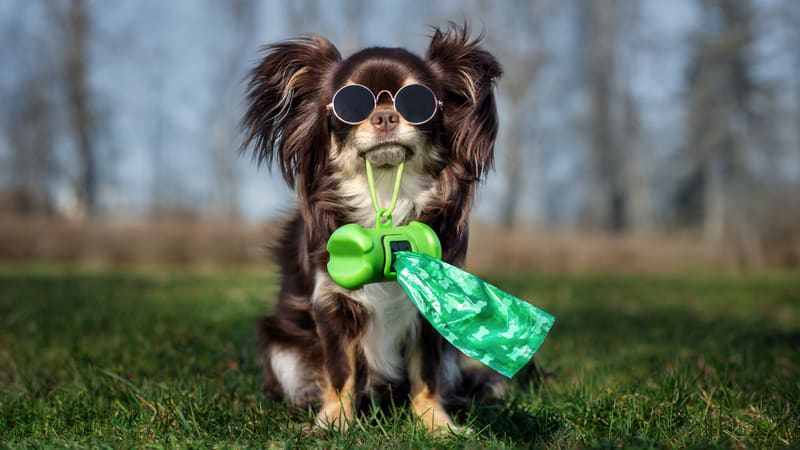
{"x": 333, "y": 348}
{"x": 386, "y": 155}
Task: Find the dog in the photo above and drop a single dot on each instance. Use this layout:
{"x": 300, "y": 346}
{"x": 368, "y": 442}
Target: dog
{"x": 318, "y": 117}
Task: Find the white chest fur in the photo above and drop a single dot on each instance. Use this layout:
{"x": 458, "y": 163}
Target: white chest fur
{"x": 393, "y": 324}
{"x": 394, "y": 321}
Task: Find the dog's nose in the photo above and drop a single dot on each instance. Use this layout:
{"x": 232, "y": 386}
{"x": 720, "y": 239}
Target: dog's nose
{"x": 385, "y": 121}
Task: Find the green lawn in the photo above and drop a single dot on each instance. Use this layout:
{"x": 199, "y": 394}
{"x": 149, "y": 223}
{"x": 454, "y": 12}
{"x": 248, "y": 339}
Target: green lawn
{"x": 141, "y": 359}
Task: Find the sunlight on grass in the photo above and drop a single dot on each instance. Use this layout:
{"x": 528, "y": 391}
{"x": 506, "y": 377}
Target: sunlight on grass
{"x": 142, "y": 358}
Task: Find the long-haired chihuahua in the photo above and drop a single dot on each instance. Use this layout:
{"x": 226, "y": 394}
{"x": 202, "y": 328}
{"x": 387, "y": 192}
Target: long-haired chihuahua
{"x": 319, "y": 118}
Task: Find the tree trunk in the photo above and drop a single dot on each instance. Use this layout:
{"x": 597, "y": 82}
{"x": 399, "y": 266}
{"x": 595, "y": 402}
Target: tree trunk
{"x": 513, "y": 173}
{"x": 609, "y": 202}
{"x": 79, "y": 104}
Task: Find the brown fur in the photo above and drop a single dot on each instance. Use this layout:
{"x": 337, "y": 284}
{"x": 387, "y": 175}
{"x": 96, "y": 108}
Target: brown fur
{"x": 321, "y": 326}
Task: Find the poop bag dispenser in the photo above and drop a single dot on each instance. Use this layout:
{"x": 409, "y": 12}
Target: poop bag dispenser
{"x": 485, "y": 323}
{"x": 361, "y": 255}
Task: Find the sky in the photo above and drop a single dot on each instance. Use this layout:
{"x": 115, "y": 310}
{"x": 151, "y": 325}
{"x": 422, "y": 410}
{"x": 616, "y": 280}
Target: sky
{"x": 157, "y": 68}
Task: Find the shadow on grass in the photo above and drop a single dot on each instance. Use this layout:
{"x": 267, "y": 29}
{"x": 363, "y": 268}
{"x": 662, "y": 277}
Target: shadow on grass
{"x": 516, "y": 421}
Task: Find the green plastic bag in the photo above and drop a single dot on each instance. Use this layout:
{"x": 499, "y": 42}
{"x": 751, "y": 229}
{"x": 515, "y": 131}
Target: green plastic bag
{"x": 487, "y": 324}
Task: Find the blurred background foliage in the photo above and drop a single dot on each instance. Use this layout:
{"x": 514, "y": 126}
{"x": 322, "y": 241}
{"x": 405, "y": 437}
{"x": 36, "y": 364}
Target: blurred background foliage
{"x": 635, "y": 134}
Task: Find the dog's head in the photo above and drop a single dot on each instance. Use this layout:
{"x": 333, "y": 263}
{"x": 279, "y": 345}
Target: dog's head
{"x": 292, "y": 116}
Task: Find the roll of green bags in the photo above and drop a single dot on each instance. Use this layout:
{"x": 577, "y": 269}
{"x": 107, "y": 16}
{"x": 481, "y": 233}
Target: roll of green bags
{"x": 486, "y": 323}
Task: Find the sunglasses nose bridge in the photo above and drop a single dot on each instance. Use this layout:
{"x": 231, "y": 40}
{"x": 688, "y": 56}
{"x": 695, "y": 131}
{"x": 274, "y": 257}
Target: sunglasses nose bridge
{"x": 378, "y": 96}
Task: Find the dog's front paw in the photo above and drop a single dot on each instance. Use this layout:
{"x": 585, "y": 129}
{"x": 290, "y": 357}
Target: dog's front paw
{"x": 333, "y": 416}
{"x": 430, "y": 412}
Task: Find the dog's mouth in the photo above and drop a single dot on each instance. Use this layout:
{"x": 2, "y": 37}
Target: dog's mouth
{"x": 386, "y": 154}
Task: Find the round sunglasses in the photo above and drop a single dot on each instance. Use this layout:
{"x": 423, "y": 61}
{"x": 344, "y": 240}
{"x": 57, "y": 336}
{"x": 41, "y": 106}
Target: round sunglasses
{"x": 354, "y": 103}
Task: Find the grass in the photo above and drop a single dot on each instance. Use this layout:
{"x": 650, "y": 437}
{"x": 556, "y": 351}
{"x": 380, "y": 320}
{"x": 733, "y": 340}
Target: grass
{"x": 141, "y": 359}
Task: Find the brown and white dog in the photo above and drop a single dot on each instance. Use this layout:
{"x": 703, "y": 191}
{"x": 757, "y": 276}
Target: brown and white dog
{"x": 325, "y": 344}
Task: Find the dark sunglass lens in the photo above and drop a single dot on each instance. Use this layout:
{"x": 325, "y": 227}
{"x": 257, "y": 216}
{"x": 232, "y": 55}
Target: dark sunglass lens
{"x": 353, "y": 103}
{"x": 416, "y": 103}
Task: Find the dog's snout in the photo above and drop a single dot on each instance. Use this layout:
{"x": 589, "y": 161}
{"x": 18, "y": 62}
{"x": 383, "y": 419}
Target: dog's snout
{"x": 385, "y": 121}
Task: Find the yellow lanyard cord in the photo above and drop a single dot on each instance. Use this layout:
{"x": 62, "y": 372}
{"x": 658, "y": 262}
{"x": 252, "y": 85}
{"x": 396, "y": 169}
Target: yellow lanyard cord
{"x": 384, "y": 215}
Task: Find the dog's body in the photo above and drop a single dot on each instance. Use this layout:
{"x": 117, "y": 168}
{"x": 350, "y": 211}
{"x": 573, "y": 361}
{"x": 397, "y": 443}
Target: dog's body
{"x": 325, "y": 344}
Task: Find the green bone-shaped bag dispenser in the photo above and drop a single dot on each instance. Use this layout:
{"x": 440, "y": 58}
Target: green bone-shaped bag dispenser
{"x": 366, "y": 255}
{"x": 485, "y": 323}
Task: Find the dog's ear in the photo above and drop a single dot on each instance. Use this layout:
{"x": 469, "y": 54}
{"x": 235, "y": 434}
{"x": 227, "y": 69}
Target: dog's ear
{"x": 467, "y": 74}
{"x": 286, "y": 116}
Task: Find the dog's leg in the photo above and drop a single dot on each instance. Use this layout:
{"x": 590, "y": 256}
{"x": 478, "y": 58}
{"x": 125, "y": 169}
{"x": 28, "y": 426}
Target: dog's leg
{"x": 290, "y": 356}
{"x": 340, "y": 322}
{"x": 339, "y": 393}
{"x": 423, "y": 372}
{"x": 272, "y": 385}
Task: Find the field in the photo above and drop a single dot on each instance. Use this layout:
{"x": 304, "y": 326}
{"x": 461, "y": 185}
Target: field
{"x": 145, "y": 358}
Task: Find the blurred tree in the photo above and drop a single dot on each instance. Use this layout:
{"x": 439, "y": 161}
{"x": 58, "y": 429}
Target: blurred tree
{"x": 792, "y": 15}
{"x": 598, "y": 30}
{"x": 31, "y": 132}
{"x": 170, "y": 193}
{"x": 722, "y": 92}
{"x": 239, "y": 18}
{"x": 522, "y": 55}
{"x": 160, "y": 177}
{"x": 612, "y": 124}
{"x": 632, "y": 44}
{"x": 28, "y": 116}
{"x": 73, "y": 22}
